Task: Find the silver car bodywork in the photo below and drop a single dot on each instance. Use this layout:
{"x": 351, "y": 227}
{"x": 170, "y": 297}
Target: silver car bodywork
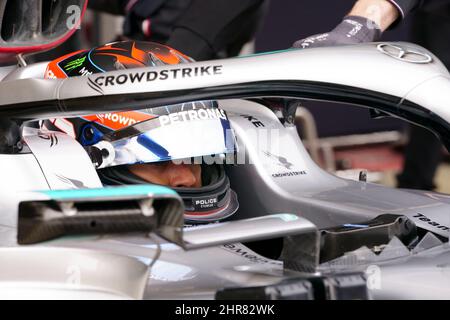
{"x": 279, "y": 184}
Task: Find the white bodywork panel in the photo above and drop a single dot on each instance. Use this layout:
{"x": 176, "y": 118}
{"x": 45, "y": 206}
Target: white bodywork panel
{"x": 64, "y": 162}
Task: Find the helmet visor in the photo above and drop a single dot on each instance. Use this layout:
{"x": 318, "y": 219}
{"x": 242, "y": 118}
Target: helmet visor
{"x": 176, "y": 136}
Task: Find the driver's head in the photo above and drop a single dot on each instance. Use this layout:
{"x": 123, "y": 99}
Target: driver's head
{"x": 162, "y": 145}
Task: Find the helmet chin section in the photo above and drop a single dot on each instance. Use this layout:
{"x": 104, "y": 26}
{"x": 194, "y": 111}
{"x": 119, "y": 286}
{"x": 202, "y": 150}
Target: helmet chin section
{"x": 229, "y": 206}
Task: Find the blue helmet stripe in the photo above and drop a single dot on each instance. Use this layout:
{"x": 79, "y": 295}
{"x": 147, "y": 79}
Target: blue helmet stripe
{"x": 145, "y": 141}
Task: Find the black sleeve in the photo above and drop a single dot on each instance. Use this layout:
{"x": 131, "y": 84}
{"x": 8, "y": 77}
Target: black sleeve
{"x": 116, "y": 7}
{"x": 202, "y": 29}
{"x": 406, "y": 6}
{"x": 208, "y": 27}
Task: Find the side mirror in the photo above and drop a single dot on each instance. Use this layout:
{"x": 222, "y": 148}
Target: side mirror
{"x": 159, "y": 210}
{"x": 113, "y": 210}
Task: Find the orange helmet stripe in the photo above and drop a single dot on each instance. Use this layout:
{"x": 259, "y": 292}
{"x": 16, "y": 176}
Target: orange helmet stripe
{"x": 123, "y": 59}
{"x": 119, "y": 120}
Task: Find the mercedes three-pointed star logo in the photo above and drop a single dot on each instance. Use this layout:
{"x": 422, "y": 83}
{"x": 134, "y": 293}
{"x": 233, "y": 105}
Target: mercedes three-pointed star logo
{"x": 404, "y": 54}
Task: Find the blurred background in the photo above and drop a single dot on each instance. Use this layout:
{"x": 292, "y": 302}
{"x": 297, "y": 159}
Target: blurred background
{"x": 342, "y": 139}
{"x": 346, "y": 139}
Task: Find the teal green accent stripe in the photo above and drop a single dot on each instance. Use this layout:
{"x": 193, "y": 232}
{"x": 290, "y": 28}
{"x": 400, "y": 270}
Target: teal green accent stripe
{"x": 267, "y": 53}
{"x": 123, "y": 191}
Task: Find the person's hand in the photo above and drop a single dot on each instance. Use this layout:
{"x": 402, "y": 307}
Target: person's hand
{"x": 365, "y": 23}
{"x": 352, "y": 30}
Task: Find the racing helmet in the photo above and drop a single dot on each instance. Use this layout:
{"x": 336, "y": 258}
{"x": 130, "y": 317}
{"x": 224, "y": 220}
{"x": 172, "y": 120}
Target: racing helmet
{"x": 197, "y": 132}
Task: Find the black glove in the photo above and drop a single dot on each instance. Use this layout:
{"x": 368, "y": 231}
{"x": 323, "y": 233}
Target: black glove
{"x": 352, "y": 30}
